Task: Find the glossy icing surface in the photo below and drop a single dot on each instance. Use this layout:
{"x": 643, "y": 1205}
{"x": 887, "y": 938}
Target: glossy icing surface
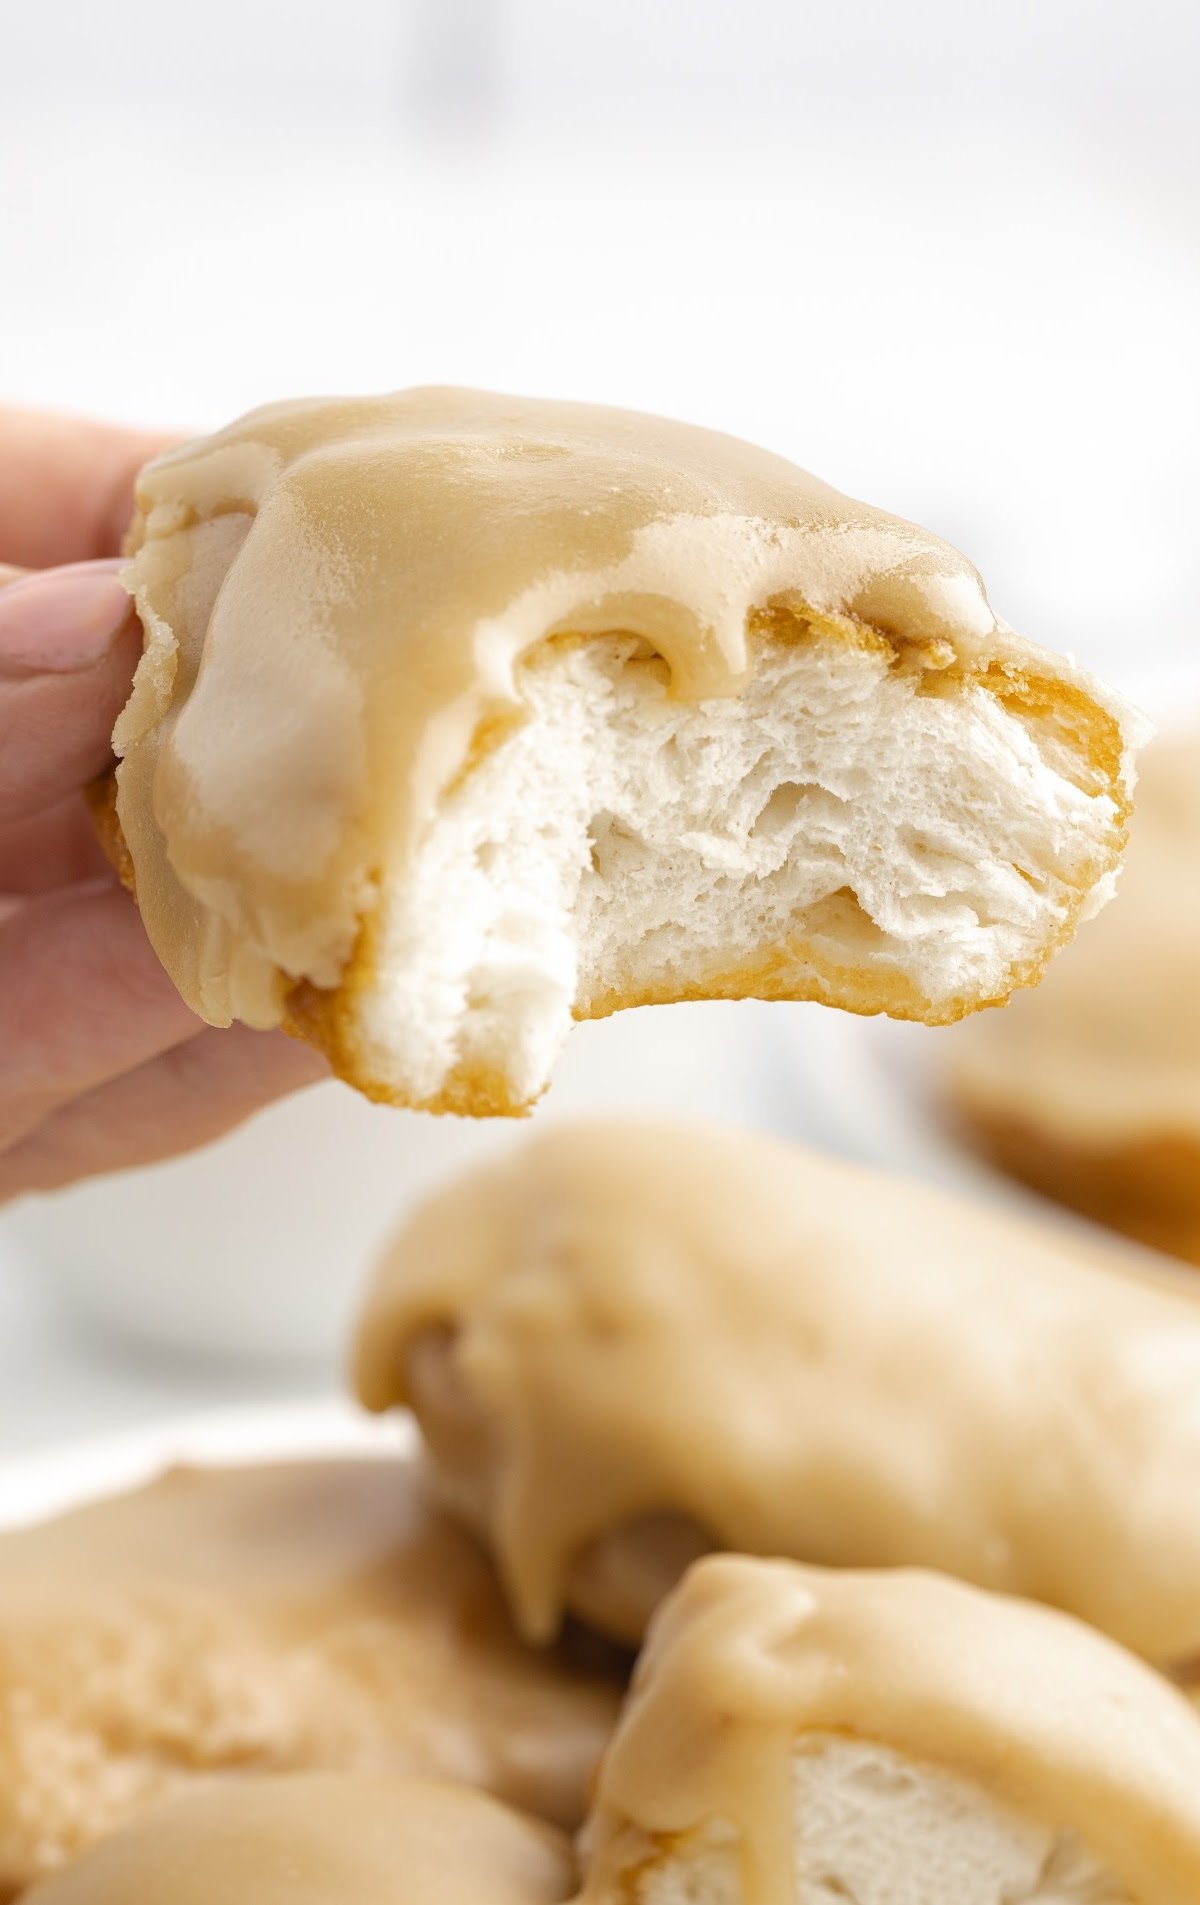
{"x": 337, "y": 594}
{"x": 801, "y": 1357}
{"x": 751, "y": 1658}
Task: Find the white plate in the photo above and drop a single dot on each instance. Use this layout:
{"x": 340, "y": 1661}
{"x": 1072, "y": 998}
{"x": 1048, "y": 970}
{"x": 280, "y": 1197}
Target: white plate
{"x": 257, "y": 1247}
{"x": 34, "y": 1487}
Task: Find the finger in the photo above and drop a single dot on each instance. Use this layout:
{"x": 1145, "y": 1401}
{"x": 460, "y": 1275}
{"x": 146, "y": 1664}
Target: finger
{"x": 69, "y": 643}
{"x": 185, "y": 1098}
{"x": 57, "y": 847}
{"x": 66, "y": 486}
{"x": 83, "y": 999}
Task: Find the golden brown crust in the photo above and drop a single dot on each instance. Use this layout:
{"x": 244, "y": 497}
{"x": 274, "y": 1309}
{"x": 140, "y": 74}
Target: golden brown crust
{"x": 328, "y": 1019}
{"x": 1088, "y": 728}
{"x": 325, "y": 1019}
{"x": 101, "y": 794}
{"x": 1148, "y": 1190}
{"x": 101, "y": 797}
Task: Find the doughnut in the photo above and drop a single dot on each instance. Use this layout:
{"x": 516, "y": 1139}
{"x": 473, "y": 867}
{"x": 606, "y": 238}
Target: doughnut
{"x": 797, "y": 1736}
{"x": 1089, "y": 1090}
{"x": 462, "y": 717}
{"x": 628, "y": 1343}
{"x": 322, "y": 1839}
{"x": 284, "y": 1618}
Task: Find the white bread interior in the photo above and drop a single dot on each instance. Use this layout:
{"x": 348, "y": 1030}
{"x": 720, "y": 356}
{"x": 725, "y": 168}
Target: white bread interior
{"x": 845, "y": 829}
{"x": 801, "y": 1736}
{"x": 874, "y": 1827}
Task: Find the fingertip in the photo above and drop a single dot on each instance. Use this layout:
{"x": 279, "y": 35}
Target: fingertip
{"x": 64, "y": 620}
{"x": 56, "y": 725}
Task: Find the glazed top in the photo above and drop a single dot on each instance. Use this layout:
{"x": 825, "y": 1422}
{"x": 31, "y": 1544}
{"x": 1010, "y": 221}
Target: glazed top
{"x": 322, "y": 1608}
{"x": 336, "y": 594}
{"x": 750, "y": 1660}
{"x": 805, "y": 1358}
{"x": 322, "y": 1839}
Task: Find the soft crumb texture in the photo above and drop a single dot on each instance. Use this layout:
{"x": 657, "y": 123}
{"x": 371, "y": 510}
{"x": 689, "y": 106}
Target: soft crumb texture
{"x": 273, "y": 1620}
{"x": 322, "y": 1839}
{"x": 804, "y": 1736}
{"x": 463, "y": 716}
{"x": 875, "y": 1828}
{"x": 629, "y": 1341}
{"x": 836, "y": 832}
{"x": 1089, "y": 1088}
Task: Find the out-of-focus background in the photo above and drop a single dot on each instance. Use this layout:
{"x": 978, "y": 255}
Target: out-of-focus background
{"x": 948, "y": 256}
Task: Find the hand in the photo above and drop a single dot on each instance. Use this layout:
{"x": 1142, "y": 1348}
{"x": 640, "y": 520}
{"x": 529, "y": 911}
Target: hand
{"x": 101, "y": 1063}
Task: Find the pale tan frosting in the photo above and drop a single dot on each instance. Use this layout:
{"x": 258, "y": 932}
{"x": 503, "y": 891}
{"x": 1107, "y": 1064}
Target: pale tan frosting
{"x": 336, "y": 595}
{"x": 749, "y": 1657}
{"x": 1107, "y": 1049}
{"x": 303, "y": 1615}
{"x": 323, "y": 1839}
{"x": 802, "y": 1357}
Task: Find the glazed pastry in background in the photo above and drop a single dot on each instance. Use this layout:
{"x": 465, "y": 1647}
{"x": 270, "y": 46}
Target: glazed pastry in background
{"x": 464, "y": 716}
{"x": 631, "y": 1342}
{"x": 305, "y": 1615}
{"x": 796, "y": 1737}
{"x": 1089, "y": 1089}
{"x": 322, "y": 1839}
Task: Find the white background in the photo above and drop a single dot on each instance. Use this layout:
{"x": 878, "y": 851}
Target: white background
{"x": 946, "y": 254}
